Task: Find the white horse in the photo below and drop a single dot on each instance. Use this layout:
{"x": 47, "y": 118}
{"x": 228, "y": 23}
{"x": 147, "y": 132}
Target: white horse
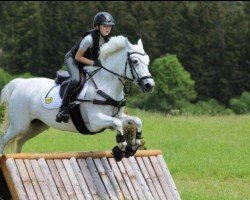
{"x": 121, "y": 61}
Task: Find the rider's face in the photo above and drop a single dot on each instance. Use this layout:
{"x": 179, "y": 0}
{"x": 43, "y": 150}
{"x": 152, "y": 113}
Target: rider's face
{"x": 105, "y": 29}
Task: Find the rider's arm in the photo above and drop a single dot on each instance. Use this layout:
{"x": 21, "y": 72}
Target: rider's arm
{"x": 86, "y": 43}
{"x": 80, "y": 57}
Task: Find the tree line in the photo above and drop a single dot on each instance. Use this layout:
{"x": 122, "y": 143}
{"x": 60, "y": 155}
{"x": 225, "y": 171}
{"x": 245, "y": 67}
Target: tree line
{"x": 210, "y": 39}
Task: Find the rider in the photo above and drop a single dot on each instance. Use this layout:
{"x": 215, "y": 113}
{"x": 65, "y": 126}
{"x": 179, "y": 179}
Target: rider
{"x": 85, "y": 52}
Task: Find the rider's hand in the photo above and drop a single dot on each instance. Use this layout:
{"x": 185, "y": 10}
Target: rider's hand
{"x": 97, "y": 63}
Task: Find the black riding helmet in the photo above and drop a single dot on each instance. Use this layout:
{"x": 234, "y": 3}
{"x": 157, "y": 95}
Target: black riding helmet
{"x": 103, "y": 18}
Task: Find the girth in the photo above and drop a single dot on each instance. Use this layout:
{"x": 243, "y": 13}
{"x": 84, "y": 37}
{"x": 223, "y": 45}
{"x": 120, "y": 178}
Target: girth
{"x": 108, "y": 100}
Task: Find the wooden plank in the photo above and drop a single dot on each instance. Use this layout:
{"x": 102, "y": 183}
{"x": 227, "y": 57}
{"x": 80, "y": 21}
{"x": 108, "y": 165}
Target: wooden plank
{"x": 142, "y": 176}
{"x": 161, "y": 178}
{"x": 141, "y": 181}
{"x": 97, "y": 180}
{"x": 26, "y": 179}
{"x": 105, "y": 179}
{"x": 73, "y": 179}
{"x": 65, "y": 179}
{"x": 119, "y": 178}
{"x": 89, "y": 180}
{"x": 168, "y": 177}
{"x": 32, "y": 175}
{"x": 49, "y": 178}
{"x": 9, "y": 180}
{"x": 80, "y": 178}
{"x": 15, "y": 176}
{"x": 68, "y": 155}
{"x": 154, "y": 177}
{"x": 133, "y": 179}
{"x": 57, "y": 179}
{"x": 112, "y": 178}
{"x": 127, "y": 180}
{"x": 41, "y": 180}
{"x": 147, "y": 178}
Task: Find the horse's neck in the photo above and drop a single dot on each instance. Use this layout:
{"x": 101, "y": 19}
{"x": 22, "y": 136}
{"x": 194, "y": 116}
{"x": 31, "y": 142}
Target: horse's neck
{"x": 108, "y": 82}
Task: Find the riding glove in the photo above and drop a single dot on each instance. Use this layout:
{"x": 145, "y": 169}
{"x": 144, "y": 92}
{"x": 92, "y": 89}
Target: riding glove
{"x": 97, "y": 63}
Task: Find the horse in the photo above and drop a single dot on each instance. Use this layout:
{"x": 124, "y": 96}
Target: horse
{"x": 121, "y": 62}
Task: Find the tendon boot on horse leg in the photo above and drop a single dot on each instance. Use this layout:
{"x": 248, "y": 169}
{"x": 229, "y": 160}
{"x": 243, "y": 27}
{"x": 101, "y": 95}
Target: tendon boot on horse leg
{"x": 131, "y": 149}
{"x": 118, "y": 151}
{"x": 136, "y": 132}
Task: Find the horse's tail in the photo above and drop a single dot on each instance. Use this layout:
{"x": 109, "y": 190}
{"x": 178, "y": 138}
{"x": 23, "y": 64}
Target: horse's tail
{"x": 8, "y": 89}
{"x": 5, "y": 97}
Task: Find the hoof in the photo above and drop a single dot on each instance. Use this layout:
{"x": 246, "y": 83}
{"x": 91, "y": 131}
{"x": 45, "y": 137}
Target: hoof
{"x": 117, "y": 153}
{"x": 129, "y": 151}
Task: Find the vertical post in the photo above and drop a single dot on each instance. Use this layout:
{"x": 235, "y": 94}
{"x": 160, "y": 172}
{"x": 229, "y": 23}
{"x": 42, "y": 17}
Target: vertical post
{"x": 4, "y": 189}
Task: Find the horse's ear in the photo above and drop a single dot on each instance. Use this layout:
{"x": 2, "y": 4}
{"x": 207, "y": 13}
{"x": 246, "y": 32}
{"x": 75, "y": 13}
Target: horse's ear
{"x": 128, "y": 44}
{"x": 140, "y": 43}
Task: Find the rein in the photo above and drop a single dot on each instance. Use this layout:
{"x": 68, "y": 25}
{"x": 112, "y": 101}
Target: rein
{"x": 132, "y": 69}
{"x": 109, "y": 100}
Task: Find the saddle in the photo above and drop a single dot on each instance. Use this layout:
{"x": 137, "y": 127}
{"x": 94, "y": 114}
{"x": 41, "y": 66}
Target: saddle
{"x": 63, "y": 78}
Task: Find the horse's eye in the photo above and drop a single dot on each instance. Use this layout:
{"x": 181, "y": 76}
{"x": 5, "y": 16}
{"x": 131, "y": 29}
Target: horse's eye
{"x": 135, "y": 61}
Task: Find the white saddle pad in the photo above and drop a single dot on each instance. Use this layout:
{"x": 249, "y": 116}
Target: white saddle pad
{"x": 51, "y": 99}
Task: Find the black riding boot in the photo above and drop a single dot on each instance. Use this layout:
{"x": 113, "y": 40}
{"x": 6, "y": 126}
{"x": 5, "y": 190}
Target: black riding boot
{"x": 63, "y": 114}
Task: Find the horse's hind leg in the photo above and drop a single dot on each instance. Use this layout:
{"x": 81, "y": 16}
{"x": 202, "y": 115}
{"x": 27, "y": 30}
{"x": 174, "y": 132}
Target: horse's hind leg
{"x": 9, "y": 135}
{"x": 36, "y": 127}
{"x": 11, "y": 145}
{"x": 19, "y": 125}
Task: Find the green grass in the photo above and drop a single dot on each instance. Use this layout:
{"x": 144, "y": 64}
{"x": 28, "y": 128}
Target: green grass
{"x": 208, "y": 157}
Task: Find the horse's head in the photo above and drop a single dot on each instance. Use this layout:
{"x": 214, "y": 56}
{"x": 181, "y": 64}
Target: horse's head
{"x": 127, "y": 61}
{"x": 138, "y": 61}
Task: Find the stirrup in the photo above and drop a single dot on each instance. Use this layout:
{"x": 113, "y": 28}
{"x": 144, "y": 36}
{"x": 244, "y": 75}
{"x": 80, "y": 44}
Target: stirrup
{"x": 63, "y": 115}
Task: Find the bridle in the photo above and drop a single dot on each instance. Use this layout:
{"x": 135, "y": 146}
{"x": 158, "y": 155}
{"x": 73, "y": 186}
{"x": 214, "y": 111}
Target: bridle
{"x": 108, "y": 100}
{"x": 132, "y": 70}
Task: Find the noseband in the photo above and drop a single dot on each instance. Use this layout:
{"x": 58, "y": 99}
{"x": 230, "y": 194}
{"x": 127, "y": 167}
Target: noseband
{"x": 108, "y": 100}
{"x": 132, "y": 69}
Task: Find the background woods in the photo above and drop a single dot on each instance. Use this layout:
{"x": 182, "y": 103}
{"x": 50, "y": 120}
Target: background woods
{"x": 204, "y": 45}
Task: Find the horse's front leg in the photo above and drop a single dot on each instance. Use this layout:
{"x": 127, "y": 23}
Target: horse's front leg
{"x": 104, "y": 121}
{"x": 136, "y": 142}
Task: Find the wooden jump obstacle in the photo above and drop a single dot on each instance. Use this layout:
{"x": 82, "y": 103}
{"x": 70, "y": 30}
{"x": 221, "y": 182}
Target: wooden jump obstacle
{"x": 87, "y": 175}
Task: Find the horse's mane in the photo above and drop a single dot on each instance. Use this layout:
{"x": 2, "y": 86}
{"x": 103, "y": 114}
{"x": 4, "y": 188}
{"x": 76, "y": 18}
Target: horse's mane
{"x": 115, "y": 44}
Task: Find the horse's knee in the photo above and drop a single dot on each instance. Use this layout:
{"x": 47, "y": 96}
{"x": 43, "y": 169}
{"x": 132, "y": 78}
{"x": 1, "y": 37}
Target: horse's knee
{"x": 117, "y": 124}
{"x": 138, "y": 122}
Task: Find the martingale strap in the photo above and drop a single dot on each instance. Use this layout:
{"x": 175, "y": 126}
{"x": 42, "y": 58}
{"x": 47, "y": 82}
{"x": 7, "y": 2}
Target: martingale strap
{"x": 109, "y": 100}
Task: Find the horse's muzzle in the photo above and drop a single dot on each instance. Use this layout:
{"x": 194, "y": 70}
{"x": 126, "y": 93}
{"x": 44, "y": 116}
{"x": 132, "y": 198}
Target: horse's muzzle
{"x": 147, "y": 84}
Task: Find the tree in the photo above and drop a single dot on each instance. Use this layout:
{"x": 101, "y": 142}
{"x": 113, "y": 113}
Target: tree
{"x": 173, "y": 84}
{"x": 21, "y": 37}
{"x": 211, "y": 39}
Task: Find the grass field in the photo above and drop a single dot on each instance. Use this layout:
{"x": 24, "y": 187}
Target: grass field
{"x": 208, "y": 157}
